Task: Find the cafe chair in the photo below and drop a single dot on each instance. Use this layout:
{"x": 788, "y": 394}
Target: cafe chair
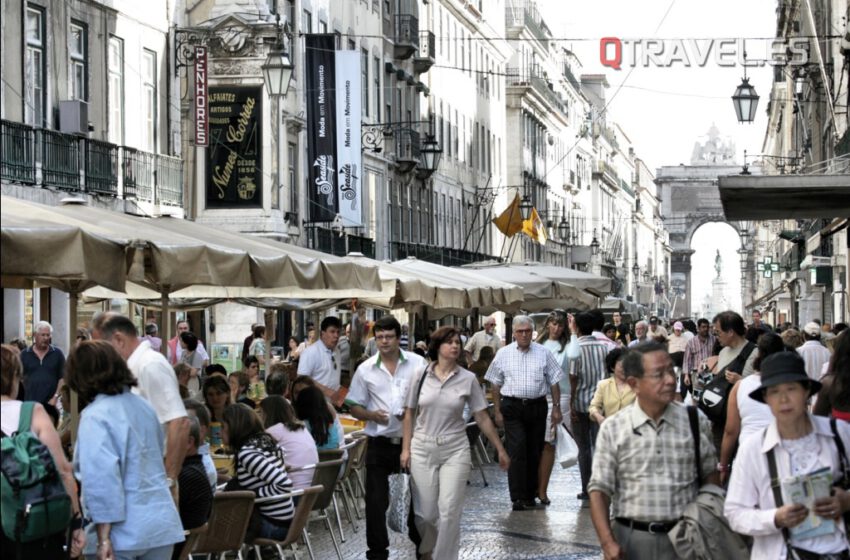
{"x": 228, "y": 522}
{"x": 192, "y": 537}
{"x": 325, "y": 475}
{"x": 297, "y": 527}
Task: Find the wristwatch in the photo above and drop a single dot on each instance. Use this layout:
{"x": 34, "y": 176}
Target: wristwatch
{"x": 171, "y": 482}
{"x": 556, "y": 405}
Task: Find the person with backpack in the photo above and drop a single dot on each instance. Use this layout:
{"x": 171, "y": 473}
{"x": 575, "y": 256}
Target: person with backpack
{"x": 23, "y": 422}
{"x": 127, "y": 495}
{"x": 795, "y": 444}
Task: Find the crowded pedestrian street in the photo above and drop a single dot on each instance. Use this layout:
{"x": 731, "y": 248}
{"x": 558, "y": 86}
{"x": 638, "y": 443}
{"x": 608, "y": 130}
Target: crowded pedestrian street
{"x": 425, "y": 280}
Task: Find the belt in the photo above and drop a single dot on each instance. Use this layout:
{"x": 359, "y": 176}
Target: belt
{"x": 390, "y": 440}
{"x": 526, "y": 401}
{"x": 651, "y": 527}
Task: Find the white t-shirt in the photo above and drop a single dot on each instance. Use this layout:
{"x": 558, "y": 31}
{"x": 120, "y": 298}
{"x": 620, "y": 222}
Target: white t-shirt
{"x": 157, "y": 382}
{"x": 755, "y": 415}
{"x": 10, "y": 415}
{"x": 322, "y": 364}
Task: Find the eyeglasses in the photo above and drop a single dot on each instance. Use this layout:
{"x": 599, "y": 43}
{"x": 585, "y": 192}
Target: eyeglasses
{"x": 659, "y": 375}
{"x": 522, "y": 331}
{"x": 383, "y": 337}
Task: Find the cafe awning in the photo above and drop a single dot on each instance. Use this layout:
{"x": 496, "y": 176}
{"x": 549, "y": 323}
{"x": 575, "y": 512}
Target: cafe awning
{"x": 774, "y": 197}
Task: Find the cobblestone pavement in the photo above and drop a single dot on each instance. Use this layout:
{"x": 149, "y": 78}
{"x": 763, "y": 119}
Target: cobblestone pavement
{"x": 490, "y": 530}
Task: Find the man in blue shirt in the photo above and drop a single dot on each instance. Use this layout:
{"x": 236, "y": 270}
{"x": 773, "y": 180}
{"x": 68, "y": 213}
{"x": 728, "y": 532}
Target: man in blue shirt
{"x": 44, "y": 365}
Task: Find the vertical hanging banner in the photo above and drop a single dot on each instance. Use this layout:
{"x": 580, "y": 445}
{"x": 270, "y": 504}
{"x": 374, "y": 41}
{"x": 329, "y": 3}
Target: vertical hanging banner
{"x": 235, "y": 156}
{"x": 321, "y": 126}
{"x": 202, "y": 122}
{"x": 348, "y": 107}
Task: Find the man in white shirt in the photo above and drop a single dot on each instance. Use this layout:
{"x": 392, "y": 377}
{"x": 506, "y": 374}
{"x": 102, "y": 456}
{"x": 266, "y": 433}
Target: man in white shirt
{"x": 321, "y": 360}
{"x": 377, "y": 394}
{"x": 641, "y": 328}
{"x": 485, "y": 337}
{"x": 175, "y": 352}
{"x": 813, "y": 352}
{"x": 157, "y": 384}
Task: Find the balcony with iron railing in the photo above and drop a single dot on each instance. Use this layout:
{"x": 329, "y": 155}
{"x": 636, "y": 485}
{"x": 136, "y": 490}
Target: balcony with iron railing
{"x": 520, "y": 14}
{"x": 427, "y": 54}
{"x": 340, "y": 243}
{"x": 532, "y": 79}
{"x": 407, "y": 149}
{"x": 49, "y": 158}
{"x": 607, "y": 173}
{"x": 445, "y": 256}
{"x": 406, "y": 36}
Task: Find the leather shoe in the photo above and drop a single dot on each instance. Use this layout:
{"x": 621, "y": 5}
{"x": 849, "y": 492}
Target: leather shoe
{"x": 520, "y": 505}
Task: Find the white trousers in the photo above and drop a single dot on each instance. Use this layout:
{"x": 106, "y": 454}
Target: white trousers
{"x": 440, "y": 469}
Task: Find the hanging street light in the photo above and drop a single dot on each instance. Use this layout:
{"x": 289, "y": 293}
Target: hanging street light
{"x": 594, "y": 245}
{"x": 429, "y": 157}
{"x": 564, "y": 229}
{"x": 746, "y": 101}
{"x": 277, "y": 69}
{"x": 636, "y": 272}
{"x": 525, "y": 206}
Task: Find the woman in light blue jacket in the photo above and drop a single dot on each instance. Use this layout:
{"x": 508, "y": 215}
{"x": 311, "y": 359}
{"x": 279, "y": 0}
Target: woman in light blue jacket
{"x": 118, "y": 460}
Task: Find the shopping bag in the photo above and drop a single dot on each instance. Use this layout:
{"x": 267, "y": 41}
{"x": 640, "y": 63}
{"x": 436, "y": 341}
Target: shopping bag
{"x": 566, "y": 450}
{"x": 399, "y": 502}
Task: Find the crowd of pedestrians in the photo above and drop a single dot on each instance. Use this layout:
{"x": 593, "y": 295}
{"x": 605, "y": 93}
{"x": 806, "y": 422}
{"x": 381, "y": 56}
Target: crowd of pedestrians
{"x": 635, "y": 398}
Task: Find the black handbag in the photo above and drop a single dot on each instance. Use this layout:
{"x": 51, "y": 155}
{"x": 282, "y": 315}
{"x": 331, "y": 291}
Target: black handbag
{"x": 715, "y": 395}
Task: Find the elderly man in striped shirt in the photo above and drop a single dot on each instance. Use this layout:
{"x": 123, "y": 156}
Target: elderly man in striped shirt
{"x": 645, "y": 462}
{"x": 522, "y": 374}
{"x": 585, "y": 373}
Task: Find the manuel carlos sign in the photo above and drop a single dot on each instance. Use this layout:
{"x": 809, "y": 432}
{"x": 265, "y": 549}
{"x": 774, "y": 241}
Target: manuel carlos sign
{"x": 234, "y": 157}
{"x": 333, "y": 132}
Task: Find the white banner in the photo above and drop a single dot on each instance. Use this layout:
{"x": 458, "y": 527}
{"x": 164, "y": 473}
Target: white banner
{"x": 348, "y": 109}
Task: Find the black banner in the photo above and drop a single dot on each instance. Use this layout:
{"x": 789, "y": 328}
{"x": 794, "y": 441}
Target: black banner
{"x": 321, "y": 127}
{"x": 235, "y": 154}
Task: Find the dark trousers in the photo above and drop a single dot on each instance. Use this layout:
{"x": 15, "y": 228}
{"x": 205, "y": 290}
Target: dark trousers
{"x": 525, "y": 431}
{"x": 584, "y": 431}
{"x": 382, "y": 460}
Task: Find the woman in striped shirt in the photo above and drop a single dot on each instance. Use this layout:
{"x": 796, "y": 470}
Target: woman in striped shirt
{"x": 258, "y": 463}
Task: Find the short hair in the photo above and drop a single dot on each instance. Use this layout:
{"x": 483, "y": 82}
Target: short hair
{"x": 522, "y": 320}
{"x": 11, "y": 369}
{"x": 387, "y": 323}
{"x": 442, "y": 335}
{"x": 585, "y": 322}
{"x": 633, "y": 360}
{"x": 118, "y": 323}
{"x": 188, "y": 324}
{"x": 642, "y": 323}
{"x": 43, "y": 325}
{"x": 486, "y": 353}
{"x": 330, "y": 321}
{"x": 215, "y": 368}
{"x": 792, "y": 338}
{"x": 190, "y": 340}
{"x": 151, "y": 329}
{"x": 278, "y": 410}
{"x": 276, "y": 381}
{"x": 182, "y": 368}
{"x": 598, "y": 319}
{"x": 195, "y": 430}
{"x": 259, "y": 331}
{"x": 612, "y": 357}
{"x": 730, "y": 321}
{"x": 200, "y": 411}
{"x": 95, "y": 368}
{"x": 768, "y": 343}
{"x": 608, "y": 327}
{"x": 242, "y": 378}
{"x": 703, "y": 321}
{"x": 250, "y": 360}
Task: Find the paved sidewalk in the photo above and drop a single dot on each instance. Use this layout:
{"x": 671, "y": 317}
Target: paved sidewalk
{"x": 490, "y": 530}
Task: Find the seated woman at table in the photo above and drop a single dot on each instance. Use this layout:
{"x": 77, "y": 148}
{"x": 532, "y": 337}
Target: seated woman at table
{"x": 297, "y": 443}
{"x": 239, "y": 385}
{"x": 318, "y": 416}
{"x": 259, "y": 467}
{"x": 216, "y": 396}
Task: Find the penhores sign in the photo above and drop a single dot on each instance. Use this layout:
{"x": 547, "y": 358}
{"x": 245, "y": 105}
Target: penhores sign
{"x": 202, "y": 122}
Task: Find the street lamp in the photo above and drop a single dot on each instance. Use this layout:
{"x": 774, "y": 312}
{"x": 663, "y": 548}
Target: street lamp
{"x": 525, "y": 206}
{"x": 636, "y": 272}
{"x": 746, "y": 101}
{"x": 564, "y": 229}
{"x": 594, "y": 244}
{"x": 277, "y": 69}
{"x": 429, "y": 157}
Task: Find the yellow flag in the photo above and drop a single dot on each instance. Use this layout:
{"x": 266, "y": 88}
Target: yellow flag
{"x": 534, "y": 227}
{"x": 509, "y": 222}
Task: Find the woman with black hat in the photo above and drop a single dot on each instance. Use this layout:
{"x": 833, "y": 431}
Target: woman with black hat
{"x": 794, "y": 444}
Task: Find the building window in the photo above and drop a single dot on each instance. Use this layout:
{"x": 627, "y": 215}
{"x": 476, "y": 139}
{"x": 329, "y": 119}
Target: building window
{"x": 364, "y": 81}
{"x": 292, "y": 158}
{"x": 323, "y": 27}
{"x": 306, "y": 22}
{"x": 352, "y": 46}
{"x": 377, "y": 73}
{"x": 290, "y": 14}
{"x": 78, "y": 60}
{"x": 149, "y": 100}
{"x": 115, "y": 66}
{"x": 35, "y": 70}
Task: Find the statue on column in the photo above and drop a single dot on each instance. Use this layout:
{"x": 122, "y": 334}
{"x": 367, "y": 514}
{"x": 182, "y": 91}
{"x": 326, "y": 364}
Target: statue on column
{"x": 718, "y": 263}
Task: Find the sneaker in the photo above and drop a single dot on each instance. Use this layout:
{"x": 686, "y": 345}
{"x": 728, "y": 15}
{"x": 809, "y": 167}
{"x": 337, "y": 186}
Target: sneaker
{"x": 583, "y": 496}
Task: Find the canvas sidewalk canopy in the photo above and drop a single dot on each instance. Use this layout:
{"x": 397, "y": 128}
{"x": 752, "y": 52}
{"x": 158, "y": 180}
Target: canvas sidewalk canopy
{"x": 173, "y": 257}
{"x": 546, "y": 286}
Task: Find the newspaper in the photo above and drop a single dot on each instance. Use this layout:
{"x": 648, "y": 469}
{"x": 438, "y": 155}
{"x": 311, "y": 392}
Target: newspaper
{"x": 805, "y": 489}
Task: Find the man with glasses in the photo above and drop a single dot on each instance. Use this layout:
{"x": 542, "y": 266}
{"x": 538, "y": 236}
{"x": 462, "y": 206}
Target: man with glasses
{"x": 485, "y": 337}
{"x": 321, "y": 360}
{"x": 522, "y": 374}
{"x": 645, "y": 461}
{"x": 377, "y": 394}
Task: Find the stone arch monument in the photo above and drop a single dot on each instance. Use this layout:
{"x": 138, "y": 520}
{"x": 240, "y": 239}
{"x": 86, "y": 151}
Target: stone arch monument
{"x": 690, "y": 199}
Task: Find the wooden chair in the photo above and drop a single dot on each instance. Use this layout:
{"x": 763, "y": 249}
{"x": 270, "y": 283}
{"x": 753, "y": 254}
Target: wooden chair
{"x": 228, "y": 522}
{"x": 297, "y": 527}
{"x": 192, "y": 537}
